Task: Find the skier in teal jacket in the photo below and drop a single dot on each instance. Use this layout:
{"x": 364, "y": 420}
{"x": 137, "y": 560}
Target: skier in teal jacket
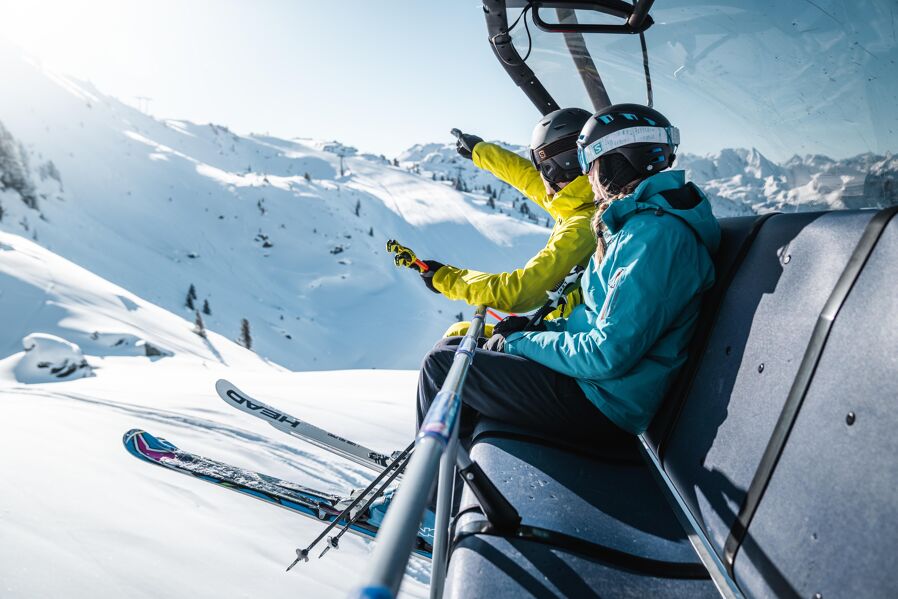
{"x": 602, "y": 372}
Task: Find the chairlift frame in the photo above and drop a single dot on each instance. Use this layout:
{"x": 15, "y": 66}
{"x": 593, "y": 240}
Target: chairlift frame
{"x": 635, "y": 19}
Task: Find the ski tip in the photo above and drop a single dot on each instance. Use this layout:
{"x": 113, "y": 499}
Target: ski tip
{"x": 131, "y": 434}
{"x": 143, "y": 445}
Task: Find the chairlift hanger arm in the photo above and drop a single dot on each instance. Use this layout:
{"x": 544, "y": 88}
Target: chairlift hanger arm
{"x": 496, "y": 16}
{"x": 634, "y": 17}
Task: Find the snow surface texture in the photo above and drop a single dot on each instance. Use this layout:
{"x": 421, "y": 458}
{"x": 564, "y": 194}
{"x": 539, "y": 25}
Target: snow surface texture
{"x": 79, "y": 517}
{"x": 47, "y": 358}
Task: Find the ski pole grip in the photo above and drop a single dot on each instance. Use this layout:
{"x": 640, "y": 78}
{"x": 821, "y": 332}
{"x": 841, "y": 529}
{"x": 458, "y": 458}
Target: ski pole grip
{"x": 496, "y": 508}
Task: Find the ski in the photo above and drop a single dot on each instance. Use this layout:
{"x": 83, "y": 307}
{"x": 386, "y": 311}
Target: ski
{"x": 300, "y": 429}
{"x": 296, "y": 498}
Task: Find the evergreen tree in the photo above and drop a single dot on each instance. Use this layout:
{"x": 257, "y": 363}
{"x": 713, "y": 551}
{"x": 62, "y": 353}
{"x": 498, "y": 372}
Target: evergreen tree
{"x": 491, "y": 203}
{"x": 191, "y": 295}
{"x": 370, "y": 231}
{"x": 245, "y": 339}
{"x": 206, "y": 309}
{"x": 307, "y": 177}
{"x": 14, "y": 171}
{"x": 198, "y": 326}
{"x": 358, "y": 207}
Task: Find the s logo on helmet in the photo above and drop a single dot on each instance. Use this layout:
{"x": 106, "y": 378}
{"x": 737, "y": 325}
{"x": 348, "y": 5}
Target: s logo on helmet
{"x": 541, "y": 154}
{"x": 597, "y": 148}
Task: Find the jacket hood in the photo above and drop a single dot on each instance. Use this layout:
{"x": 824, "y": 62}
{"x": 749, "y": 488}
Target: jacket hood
{"x": 574, "y": 197}
{"x": 685, "y": 201}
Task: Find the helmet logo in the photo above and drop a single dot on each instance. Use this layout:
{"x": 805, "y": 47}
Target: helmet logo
{"x": 541, "y": 154}
{"x": 597, "y": 148}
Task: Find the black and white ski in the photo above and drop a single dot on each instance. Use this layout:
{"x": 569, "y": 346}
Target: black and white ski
{"x": 300, "y": 429}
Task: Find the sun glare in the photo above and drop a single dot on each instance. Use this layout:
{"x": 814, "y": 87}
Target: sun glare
{"x": 68, "y": 36}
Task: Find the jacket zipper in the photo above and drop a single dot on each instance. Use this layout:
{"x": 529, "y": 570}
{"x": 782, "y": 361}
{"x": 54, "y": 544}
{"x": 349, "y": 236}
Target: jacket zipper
{"x": 612, "y": 292}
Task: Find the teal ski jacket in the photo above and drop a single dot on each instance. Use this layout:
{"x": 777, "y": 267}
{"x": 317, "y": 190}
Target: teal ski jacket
{"x": 626, "y": 341}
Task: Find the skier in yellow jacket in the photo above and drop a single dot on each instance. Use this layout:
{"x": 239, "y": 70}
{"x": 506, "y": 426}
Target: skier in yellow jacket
{"x": 551, "y": 179}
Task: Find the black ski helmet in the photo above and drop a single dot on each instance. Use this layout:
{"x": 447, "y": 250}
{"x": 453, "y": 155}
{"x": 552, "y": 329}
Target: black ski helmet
{"x": 631, "y": 142}
{"x": 553, "y": 145}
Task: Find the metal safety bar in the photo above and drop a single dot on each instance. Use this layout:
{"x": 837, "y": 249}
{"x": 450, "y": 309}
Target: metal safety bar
{"x": 436, "y": 453}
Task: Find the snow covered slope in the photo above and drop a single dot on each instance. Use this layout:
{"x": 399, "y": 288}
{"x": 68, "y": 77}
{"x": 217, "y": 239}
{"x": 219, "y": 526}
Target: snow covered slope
{"x": 440, "y": 162}
{"x": 80, "y": 518}
{"x": 265, "y": 229}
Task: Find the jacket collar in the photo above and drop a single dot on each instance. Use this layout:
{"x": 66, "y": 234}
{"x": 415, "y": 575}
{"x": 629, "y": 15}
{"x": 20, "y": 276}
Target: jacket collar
{"x": 647, "y": 196}
{"x": 572, "y": 198}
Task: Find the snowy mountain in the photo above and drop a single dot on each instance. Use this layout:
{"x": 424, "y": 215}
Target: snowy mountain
{"x": 738, "y": 181}
{"x": 261, "y": 228}
{"x": 440, "y": 162}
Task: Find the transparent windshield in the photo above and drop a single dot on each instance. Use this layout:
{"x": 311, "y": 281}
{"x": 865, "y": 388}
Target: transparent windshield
{"x": 783, "y": 77}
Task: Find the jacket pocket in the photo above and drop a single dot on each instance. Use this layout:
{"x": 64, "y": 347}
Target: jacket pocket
{"x": 611, "y": 296}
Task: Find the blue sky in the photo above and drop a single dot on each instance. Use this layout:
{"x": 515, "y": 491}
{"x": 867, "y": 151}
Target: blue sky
{"x": 784, "y": 77}
{"x": 378, "y": 75}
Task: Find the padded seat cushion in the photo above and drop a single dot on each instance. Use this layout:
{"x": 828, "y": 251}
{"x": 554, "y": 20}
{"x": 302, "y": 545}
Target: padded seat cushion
{"x": 486, "y": 567}
{"x": 619, "y": 506}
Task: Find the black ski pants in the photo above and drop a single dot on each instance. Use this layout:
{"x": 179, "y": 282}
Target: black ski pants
{"x": 518, "y": 391}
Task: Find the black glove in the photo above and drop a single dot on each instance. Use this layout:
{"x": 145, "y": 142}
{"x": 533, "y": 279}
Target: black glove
{"x": 511, "y": 324}
{"x": 465, "y": 143}
{"x": 505, "y": 327}
{"x": 432, "y": 267}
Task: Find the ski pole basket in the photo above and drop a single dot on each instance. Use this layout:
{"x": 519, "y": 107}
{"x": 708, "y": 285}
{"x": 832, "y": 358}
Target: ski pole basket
{"x": 436, "y": 456}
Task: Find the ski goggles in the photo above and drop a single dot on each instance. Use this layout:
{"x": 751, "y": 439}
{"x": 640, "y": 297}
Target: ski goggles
{"x": 588, "y": 153}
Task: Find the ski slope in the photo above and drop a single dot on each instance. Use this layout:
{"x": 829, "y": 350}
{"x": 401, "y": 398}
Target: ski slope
{"x": 265, "y": 229}
{"x": 80, "y": 518}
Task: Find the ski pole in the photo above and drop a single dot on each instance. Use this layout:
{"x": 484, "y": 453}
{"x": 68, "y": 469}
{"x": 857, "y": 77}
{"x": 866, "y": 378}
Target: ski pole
{"x": 405, "y": 256}
{"x": 497, "y": 316}
{"x": 333, "y": 542}
{"x": 303, "y": 554}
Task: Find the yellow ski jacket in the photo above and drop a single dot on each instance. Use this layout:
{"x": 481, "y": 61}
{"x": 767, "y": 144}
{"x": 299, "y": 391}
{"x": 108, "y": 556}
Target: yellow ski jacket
{"x": 571, "y": 242}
